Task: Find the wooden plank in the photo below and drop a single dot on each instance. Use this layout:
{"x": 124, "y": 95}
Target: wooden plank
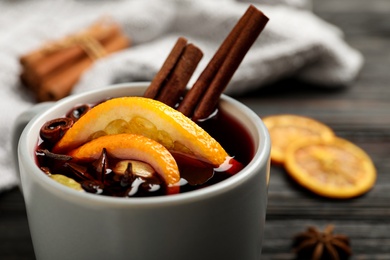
{"x": 368, "y": 239}
{"x": 359, "y": 113}
{"x": 15, "y": 240}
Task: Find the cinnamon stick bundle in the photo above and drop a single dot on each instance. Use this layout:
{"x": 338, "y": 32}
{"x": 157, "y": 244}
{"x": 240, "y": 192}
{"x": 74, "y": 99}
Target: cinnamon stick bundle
{"x": 51, "y": 71}
{"x": 201, "y": 100}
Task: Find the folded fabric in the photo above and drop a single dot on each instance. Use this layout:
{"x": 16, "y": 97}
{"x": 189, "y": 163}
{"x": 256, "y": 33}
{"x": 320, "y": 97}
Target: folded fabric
{"x": 295, "y": 43}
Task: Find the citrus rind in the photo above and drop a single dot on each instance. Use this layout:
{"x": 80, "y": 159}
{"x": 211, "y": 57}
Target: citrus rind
{"x": 286, "y": 128}
{"x": 147, "y": 117}
{"x": 334, "y": 168}
{"x": 130, "y": 146}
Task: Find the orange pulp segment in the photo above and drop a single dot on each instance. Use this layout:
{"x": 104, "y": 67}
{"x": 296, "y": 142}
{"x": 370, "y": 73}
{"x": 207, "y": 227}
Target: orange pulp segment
{"x": 130, "y": 146}
{"x": 334, "y": 168}
{"x": 285, "y": 129}
{"x": 147, "y": 117}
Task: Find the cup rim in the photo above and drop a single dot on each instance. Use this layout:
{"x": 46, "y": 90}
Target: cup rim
{"x": 26, "y": 155}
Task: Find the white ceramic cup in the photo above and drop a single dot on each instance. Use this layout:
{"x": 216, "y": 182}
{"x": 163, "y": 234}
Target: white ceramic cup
{"x": 223, "y": 221}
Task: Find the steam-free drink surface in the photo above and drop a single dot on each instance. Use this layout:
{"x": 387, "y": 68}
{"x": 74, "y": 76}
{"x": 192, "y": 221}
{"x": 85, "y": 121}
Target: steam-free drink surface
{"x": 99, "y": 176}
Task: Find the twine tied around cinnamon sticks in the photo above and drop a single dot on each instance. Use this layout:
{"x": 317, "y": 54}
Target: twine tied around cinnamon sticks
{"x": 92, "y": 47}
{"x": 51, "y": 71}
{"x": 169, "y": 84}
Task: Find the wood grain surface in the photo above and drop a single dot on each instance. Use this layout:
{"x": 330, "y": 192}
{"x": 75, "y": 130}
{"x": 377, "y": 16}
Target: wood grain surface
{"x": 361, "y": 114}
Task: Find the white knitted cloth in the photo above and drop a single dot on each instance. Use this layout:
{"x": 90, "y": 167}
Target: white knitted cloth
{"x": 294, "y": 43}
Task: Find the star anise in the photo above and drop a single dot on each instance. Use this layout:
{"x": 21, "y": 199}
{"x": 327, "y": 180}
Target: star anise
{"x": 316, "y": 245}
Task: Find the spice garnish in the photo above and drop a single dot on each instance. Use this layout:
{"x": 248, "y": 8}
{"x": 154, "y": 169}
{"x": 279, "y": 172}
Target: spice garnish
{"x": 59, "y": 157}
{"x": 201, "y": 100}
{"x": 78, "y": 112}
{"x": 101, "y": 166}
{"x": 314, "y": 244}
{"x": 53, "y": 130}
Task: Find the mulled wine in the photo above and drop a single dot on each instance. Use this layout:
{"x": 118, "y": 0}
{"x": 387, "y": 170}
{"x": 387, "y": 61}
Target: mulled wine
{"x": 111, "y": 176}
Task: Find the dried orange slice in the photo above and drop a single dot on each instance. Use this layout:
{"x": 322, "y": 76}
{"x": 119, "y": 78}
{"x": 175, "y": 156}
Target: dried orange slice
{"x": 147, "y": 117}
{"x": 285, "y": 129}
{"x": 130, "y": 146}
{"x": 334, "y": 168}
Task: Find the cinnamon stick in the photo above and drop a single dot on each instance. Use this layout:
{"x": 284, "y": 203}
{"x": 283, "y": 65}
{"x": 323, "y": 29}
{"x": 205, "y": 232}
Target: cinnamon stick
{"x": 195, "y": 94}
{"x": 202, "y": 99}
{"x": 171, "y": 80}
{"x": 162, "y": 75}
{"x": 51, "y": 71}
{"x": 178, "y": 80}
{"x": 100, "y": 31}
{"x": 59, "y": 85}
{"x": 53, "y": 61}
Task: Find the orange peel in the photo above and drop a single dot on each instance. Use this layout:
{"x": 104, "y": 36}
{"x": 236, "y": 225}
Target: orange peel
{"x": 334, "y": 168}
{"x": 147, "y": 117}
{"x": 286, "y": 128}
{"x": 130, "y": 146}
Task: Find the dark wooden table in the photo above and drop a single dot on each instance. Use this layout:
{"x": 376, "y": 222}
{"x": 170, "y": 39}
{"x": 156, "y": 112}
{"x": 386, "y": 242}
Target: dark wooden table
{"x": 360, "y": 114}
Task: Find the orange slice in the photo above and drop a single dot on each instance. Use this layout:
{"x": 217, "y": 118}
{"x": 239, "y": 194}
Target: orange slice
{"x": 130, "y": 146}
{"x": 147, "y": 117}
{"x": 334, "y": 168}
{"x": 285, "y": 129}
